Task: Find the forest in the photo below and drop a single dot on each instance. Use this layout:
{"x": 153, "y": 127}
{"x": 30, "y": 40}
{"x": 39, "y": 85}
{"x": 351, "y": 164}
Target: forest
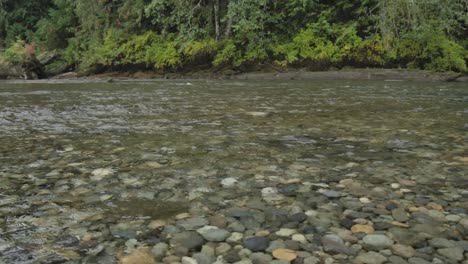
{"x": 93, "y": 36}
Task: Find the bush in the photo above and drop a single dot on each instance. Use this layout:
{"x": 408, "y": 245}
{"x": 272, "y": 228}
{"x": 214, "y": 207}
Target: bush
{"x": 199, "y": 50}
{"x": 313, "y": 45}
{"x": 431, "y": 51}
{"x": 15, "y": 54}
{"x": 162, "y": 54}
{"x": 228, "y": 55}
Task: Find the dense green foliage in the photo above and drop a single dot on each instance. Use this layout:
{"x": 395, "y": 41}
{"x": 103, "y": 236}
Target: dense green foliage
{"x": 173, "y": 35}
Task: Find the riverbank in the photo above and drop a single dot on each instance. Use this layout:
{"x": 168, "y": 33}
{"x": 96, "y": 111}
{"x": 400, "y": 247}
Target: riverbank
{"x": 297, "y": 74}
{"x": 288, "y": 74}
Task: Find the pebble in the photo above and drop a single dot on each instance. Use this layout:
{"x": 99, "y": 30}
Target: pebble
{"x": 284, "y": 254}
{"x": 139, "y": 255}
{"x": 311, "y": 260}
{"x": 189, "y": 239}
{"x": 228, "y": 182}
{"x": 365, "y": 200}
{"x": 370, "y": 258}
{"x": 400, "y": 215}
{"x": 235, "y": 237}
{"x": 368, "y": 229}
{"x": 100, "y": 174}
{"x": 403, "y": 251}
{"x": 335, "y": 245}
{"x": 454, "y": 253}
{"x": 377, "y": 241}
{"x": 188, "y": 260}
{"x": 453, "y": 218}
{"x": 156, "y": 224}
{"x": 331, "y": 193}
{"x": 299, "y": 238}
{"x": 286, "y": 232}
{"x": 192, "y": 223}
{"x": 213, "y": 233}
{"x": 159, "y": 250}
{"x": 256, "y": 243}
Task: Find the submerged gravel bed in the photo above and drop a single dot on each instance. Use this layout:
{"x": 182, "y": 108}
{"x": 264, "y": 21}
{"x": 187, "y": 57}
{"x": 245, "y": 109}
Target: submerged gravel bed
{"x": 234, "y": 172}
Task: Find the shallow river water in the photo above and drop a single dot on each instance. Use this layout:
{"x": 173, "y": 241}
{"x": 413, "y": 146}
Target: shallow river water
{"x": 107, "y": 172}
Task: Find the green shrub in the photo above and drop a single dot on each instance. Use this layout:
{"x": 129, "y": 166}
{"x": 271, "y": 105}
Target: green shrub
{"x": 134, "y": 50}
{"x": 110, "y": 51}
{"x": 313, "y": 45}
{"x": 431, "y": 51}
{"x": 163, "y": 54}
{"x": 196, "y": 50}
{"x": 228, "y": 55}
{"x": 15, "y": 54}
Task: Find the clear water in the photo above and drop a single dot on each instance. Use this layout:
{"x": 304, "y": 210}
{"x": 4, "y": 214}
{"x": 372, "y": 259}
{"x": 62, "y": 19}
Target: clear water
{"x": 168, "y": 144}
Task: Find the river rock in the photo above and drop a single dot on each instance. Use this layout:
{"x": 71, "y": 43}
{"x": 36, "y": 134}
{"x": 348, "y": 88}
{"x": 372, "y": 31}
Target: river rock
{"x": 440, "y": 242}
{"x": 213, "y": 234}
{"x": 99, "y": 174}
{"x": 188, "y": 260}
{"x": 284, "y": 254}
{"x": 159, "y": 250}
{"x": 400, "y": 214}
{"x": 403, "y": 251}
{"x": 368, "y": 229}
{"x": 370, "y": 258}
{"x": 377, "y": 241}
{"x": 256, "y": 243}
{"x": 203, "y": 258}
{"x": 333, "y": 244}
{"x": 286, "y": 232}
{"x": 139, "y": 255}
{"x": 193, "y": 223}
{"x": 454, "y": 253}
{"x": 260, "y": 258}
{"x": 189, "y": 239}
{"x": 228, "y": 182}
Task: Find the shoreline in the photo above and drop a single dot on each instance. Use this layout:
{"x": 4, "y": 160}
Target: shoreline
{"x": 290, "y": 74}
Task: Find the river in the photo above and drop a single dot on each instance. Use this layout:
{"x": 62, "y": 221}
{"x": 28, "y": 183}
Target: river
{"x": 99, "y": 172}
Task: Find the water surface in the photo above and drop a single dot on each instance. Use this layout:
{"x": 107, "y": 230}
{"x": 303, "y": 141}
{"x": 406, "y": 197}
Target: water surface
{"x": 83, "y": 159}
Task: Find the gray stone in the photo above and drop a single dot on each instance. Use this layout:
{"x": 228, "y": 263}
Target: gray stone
{"x": 256, "y": 243}
{"x": 377, "y": 242}
{"x": 370, "y": 258}
{"x": 275, "y": 245}
{"x": 236, "y": 227}
{"x": 311, "y": 260}
{"x": 403, "y": 251}
{"x": 188, "y": 260}
{"x": 400, "y": 214}
{"x": 159, "y": 250}
{"x": 260, "y": 258}
{"x": 416, "y": 260}
{"x": 334, "y": 244}
{"x": 192, "y": 223}
{"x": 213, "y": 234}
{"x": 232, "y": 256}
{"x": 202, "y": 258}
{"x": 244, "y": 261}
{"x": 222, "y": 248}
{"x": 228, "y": 182}
{"x": 454, "y": 253}
{"x": 397, "y": 260}
{"x": 331, "y": 193}
{"x": 189, "y": 239}
{"x": 440, "y": 242}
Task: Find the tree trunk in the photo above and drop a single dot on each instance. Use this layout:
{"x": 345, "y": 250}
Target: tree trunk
{"x": 229, "y": 27}
{"x": 216, "y": 18}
